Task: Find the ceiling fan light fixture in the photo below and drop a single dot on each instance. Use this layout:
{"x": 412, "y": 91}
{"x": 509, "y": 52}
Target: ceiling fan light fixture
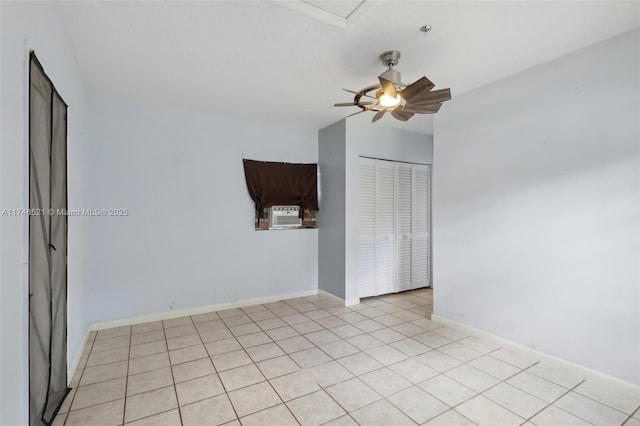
{"x": 389, "y": 101}
{"x": 401, "y": 100}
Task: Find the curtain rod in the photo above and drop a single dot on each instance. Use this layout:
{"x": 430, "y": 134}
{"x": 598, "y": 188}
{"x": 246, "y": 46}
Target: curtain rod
{"x": 277, "y": 162}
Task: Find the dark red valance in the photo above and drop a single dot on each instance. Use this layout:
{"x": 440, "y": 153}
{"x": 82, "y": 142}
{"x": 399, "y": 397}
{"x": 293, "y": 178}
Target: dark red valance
{"x": 286, "y": 184}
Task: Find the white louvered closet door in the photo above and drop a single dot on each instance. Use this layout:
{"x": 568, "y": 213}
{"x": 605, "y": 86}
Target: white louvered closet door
{"x": 366, "y": 256}
{"x": 421, "y": 216}
{"x": 404, "y": 194}
{"x": 385, "y": 218}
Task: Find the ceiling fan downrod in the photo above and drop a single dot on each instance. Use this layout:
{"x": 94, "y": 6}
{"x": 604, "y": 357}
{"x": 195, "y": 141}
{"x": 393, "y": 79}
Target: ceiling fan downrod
{"x": 390, "y": 59}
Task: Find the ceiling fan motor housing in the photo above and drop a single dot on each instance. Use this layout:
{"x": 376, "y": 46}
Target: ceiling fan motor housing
{"x": 390, "y": 59}
{"x": 393, "y": 76}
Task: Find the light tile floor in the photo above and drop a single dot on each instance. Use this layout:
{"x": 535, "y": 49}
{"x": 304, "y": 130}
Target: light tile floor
{"x": 310, "y": 361}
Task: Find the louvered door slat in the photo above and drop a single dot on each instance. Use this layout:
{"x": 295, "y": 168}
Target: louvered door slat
{"x": 421, "y": 217}
{"x": 395, "y": 224}
{"x": 385, "y": 227}
{"x": 367, "y": 207}
{"x": 403, "y": 226}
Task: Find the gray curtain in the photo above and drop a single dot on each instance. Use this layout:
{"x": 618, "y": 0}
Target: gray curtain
{"x": 47, "y": 247}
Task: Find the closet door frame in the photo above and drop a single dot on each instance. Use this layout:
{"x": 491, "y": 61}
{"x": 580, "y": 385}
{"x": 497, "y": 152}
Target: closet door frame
{"x": 398, "y": 237}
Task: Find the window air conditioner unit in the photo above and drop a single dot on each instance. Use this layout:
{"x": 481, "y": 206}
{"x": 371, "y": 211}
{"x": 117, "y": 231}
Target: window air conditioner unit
{"x": 284, "y": 217}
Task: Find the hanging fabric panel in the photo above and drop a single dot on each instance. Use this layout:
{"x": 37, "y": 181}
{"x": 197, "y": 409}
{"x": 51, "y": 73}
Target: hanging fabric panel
{"x": 273, "y": 184}
{"x": 39, "y": 279}
{"x": 47, "y": 248}
{"x": 58, "y": 254}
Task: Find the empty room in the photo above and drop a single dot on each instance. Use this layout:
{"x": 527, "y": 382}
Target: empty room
{"x": 319, "y": 212}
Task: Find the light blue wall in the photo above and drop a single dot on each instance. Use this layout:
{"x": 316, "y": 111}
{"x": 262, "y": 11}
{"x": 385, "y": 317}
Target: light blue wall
{"x": 536, "y": 209}
{"x": 190, "y": 239}
{"x": 331, "y": 217}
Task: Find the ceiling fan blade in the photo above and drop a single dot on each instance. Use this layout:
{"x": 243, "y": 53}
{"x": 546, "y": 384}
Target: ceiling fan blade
{"x": 358, "y": 93}
{"x": 388, "y": 87}
{"x": 430, "y": 97}
{"x": 352, "y": 104}
{"x": 378, "y": 115}
{"x": 422, "y": 109}
{"x": 401, "y": 115}
{"x": 422, "y": 85}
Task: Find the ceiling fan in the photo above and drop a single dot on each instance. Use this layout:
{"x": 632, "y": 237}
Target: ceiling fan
{"x": 402, "y": 100}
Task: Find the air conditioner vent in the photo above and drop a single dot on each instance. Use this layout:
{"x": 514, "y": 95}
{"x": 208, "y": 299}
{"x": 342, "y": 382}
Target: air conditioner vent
{"x": 284, "y": 217}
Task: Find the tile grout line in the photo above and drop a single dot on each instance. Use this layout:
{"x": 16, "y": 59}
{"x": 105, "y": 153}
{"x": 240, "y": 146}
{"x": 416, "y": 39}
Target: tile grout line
{"x": 80, "y": 379}
{"x": 631, "y": 415}
{"x": 78, "y": 386}
{"x": 295, "y": 362}
{"x": 226, "y": 393}
{"x": 383, "y": 366}
{"x": 126, "y": 380}
{"x": 594, "y": 400}
{"x": 358, "y": 376}
{"x": 418, "y": 386}
{"x": 281, "y": 399}
{"x": 543, "y": 378}
{"x": 604, "y": 403}
{"x": 485, "y": 390}
{"x": 270, "y": 385}
{"x": 557, "y": 399}
{"x": 151, "y": 390}
{"x": 252, "y": 321}
{"x": 572, "y": 389}
{"x": 345, "y": 410}
{"x": 66, "y": 418}
{"x": 342, "y": 339}
{"x": 505, "y": 380}
{"x": 175, "y": 389}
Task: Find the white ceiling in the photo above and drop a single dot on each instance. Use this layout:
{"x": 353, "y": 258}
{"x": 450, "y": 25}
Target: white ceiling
{"x": 342, "y": 8}
{"x": 262, "y": 61}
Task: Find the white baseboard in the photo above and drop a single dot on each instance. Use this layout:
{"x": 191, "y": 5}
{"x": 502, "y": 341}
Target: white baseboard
{"x": 352, "y": 302}
{"x": 332, "y": 296}
{"x": 199, "y": 310}
{"x": 343, "y": 302}
{"x": 76, "y": 360}
{"x": 542, "y": 356}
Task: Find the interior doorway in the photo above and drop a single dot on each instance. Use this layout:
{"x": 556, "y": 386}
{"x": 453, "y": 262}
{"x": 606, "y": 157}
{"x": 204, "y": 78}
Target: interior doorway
{"x": 47, "y": 247}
